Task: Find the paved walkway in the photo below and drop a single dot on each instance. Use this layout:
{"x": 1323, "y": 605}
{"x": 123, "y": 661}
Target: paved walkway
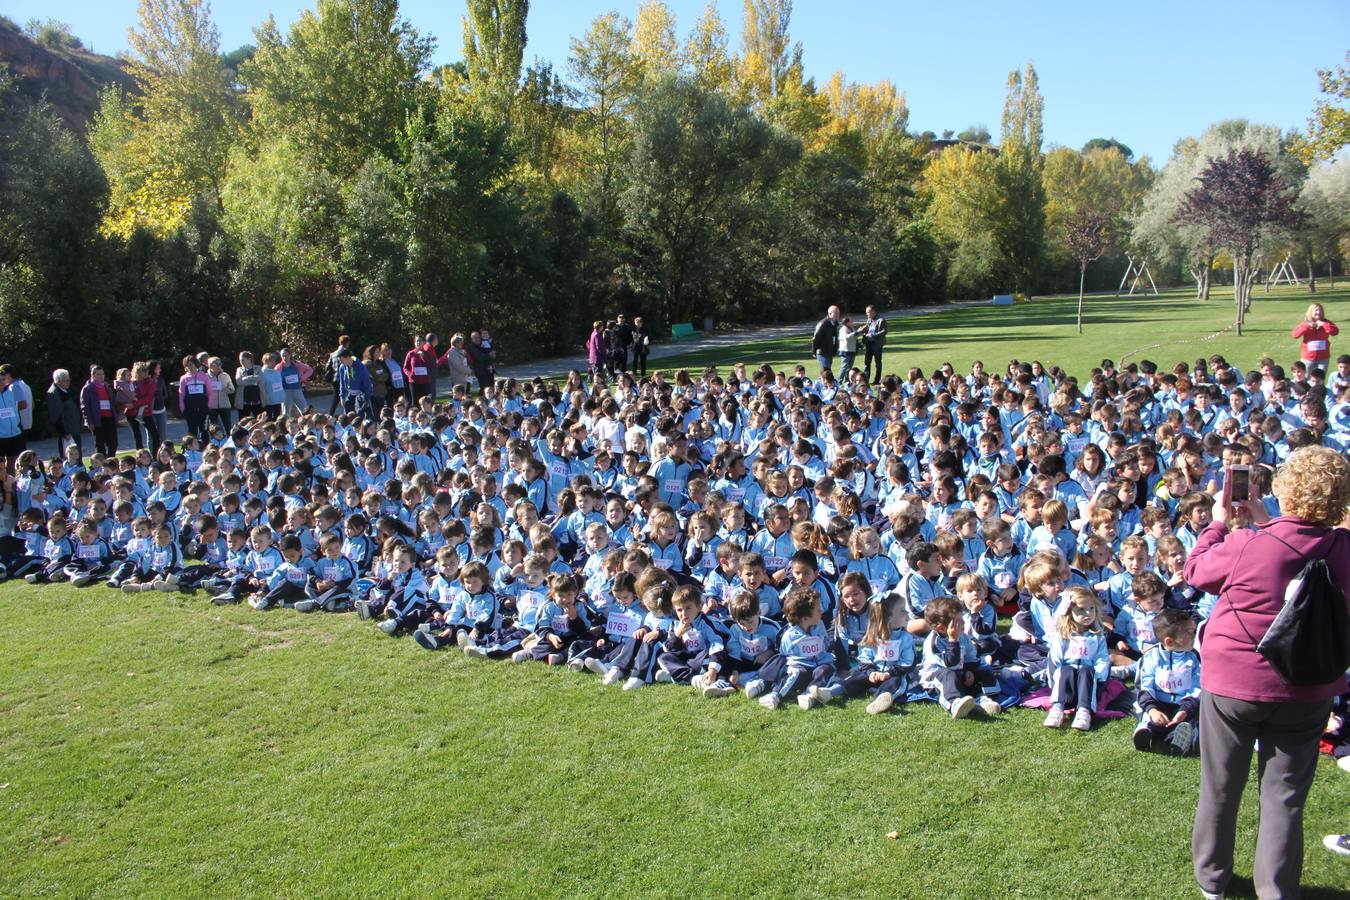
{"x": 548, "y": 368}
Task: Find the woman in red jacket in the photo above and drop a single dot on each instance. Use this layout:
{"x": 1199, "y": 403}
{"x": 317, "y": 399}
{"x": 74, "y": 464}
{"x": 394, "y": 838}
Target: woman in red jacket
{"x": 1244, "y": 703}
{"x": 1316, "y": 333}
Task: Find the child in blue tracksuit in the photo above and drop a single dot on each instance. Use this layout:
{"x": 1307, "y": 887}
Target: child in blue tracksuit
{"x": 692, "y": 641}
{"x": 261, "y": 561}
{"x": 562, "y": 621}
{"x": 402, "y": 600}
{"x": 330, "y": 579}
{"x": 885, "y": 655}
{"x": 805, "y": 648}
{"x": 23, "y": 552}
{"x": 522, "y": 601}
{"x": 751, "y": 658}
{"x": 288, "y": 581}
{"x": 93, "y": 555}
{"x": 476, "y": 612}
{"x": 1168, "y": 685}
{"x": 141, "y": 540}
{"x": 216, "y": 579}
{"x": 57, "y": 552}
{"x": 622, "y": 619}
{"x": 636, "y": 660}
{"x": 1078, "y": 661}
{"x": 159, "y": 564}
{"x": 951, "y": 666}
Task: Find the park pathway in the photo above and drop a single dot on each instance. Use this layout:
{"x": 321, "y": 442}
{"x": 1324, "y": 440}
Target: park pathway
{"x": 559, "y": 366}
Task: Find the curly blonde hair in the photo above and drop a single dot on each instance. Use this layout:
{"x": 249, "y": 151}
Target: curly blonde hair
{"x": 1314, "y": 484}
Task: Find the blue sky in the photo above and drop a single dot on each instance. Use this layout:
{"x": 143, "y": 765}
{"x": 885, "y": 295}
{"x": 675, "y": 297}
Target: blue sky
{"x": 1146, "y": 73}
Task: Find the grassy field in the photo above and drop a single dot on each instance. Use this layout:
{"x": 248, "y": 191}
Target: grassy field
{"x": 156, "y": 745}
{"x": 1166, "y": 329}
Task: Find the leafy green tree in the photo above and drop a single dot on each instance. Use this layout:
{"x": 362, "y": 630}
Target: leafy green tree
{"x": 494, "y": 46}
{"x": 705, "y": 52}
{"x": 607, "y": 78}
{"x": 1329, "y": 127}
{"x": 1019, "y": 222}
{"x": 767, "y": 54}
{"x": 654, "y": 49}
{"x": 700, "y": 171}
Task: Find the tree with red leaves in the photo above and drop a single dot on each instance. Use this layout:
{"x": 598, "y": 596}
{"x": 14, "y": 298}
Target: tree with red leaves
{"x": 1087, "y": 234}
{"x": 1243, "y": 202}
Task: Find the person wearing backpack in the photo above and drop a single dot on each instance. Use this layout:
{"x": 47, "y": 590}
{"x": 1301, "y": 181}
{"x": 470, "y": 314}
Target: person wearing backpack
{"x": 1245, "y": 702}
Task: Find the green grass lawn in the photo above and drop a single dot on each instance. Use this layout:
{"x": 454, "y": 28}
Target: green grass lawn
{"x": 1166, "y": 329}
{"x": 157, "y": 745}
{"x": 154, "y": 744}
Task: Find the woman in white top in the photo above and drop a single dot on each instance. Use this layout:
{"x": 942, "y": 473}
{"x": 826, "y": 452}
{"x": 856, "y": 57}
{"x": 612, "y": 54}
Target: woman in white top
{"x": 848, "y": 346}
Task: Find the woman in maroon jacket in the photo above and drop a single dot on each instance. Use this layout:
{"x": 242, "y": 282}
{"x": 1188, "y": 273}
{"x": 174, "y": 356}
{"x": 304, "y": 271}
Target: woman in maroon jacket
{"x": 1244, "y": 703}
{"x": 99, "y": 412}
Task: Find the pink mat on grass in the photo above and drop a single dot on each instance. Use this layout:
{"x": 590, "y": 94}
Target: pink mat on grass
{"x": 1040, "y": 699}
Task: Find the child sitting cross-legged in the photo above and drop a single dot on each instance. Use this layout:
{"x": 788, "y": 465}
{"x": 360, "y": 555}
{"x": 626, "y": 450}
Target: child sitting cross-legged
{"x": 1169, "y": 687}
{"x": 951, "y": 666}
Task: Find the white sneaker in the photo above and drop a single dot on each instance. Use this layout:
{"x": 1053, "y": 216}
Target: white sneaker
{"x": 475, "y": 650}
{"x": 163, "y": 584}
{"x": 962, "y": 707}
{"x": 770, "y": 701}
{"x": 613, "y": 676}
{"x": 134, "y": 587}
{"x": 596, "y": 665}
{"x": 634, "y": 683}
{"x": 818, "y": 693}
{"x": 718, "y": 689}
{"x": 1343, "y": 763}
{"x": 663, "y": 677}
{"x": 806, "y": 700}
{"x": 573, "y": 665}
{"x": 1337, "y": 843}
{"x": 520, "y": 656}
{"x": 258, "y": 602}
{"x": 82, "y": 579}
{"x": 1082, "y": 719}
{"x": 462, "y": 639}
{"x": 989, "y": 706}
{"x": 754, "y": 689}
{"x": 1055, "y": 717}
{"x": 883, "y": 701}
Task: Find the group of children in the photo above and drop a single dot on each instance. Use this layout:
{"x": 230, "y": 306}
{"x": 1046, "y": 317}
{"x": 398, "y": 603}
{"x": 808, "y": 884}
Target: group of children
{"x": 792, "y": 539}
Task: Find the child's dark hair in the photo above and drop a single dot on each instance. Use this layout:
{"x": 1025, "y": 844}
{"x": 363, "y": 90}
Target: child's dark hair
{"x": 920, "y": 553}
{"x": 744, "y": 605}
{"x": 799, "y": 603}
{"x": 1172, "y": 623}
{"x": 1147, "y": 584}
{"x": 941, "y": 612}
{"x": 289, "y": 542}
{"x": 558, "y": 583}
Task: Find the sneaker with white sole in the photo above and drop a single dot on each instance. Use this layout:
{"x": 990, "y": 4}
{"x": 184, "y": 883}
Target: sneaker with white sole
{"x": 663, "y": 677}
{"x": 1082, "y": 719}
{"x": 754, "y": 689}
{"x": 475, "y": 650}
{"x": 632, "y": 684}
{"x": 1143, "y": 736}
{"x": 306, "y": 606}
{"x": 770, "y": 700}
{"x": 259, "y": 602}
{"x": 989, "y": 706}
{"x": 1337, "y": 843}
{"x": 882, "y": 702}
{"x": 577, "y": 665}
{"x": 429, "y": 641}
{"x": 463, "y": 639}
{"x": 388, "y": 626}
{"x": 806, "y": 700}
{"x": 363, "y": 609}
{"x": 718, "y": 688}
{"x": 223, "y": 599}
{"x": 32, "y": 578}
{"x": 962, "y": 707}
{"x": 1181, "y": 742}
{"x": 82, "y": 579}
{"x": 134, "y": 587}
{"x": 165, "y": 585}
{"x": 596, "y": 665}
{"x": 1055, "y": 717}
{"x": 613, "y": 676}
{"x": 518, "y": 657}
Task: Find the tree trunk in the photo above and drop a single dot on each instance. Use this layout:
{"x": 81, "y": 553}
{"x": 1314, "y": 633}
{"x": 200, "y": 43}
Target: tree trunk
{"x": 1312, "y": 274}
{"x": 1082, "y": 276}
{"x": 1205, "y": 277}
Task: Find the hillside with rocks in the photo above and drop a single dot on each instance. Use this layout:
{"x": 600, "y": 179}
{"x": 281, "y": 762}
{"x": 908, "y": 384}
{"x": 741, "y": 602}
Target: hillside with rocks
{"x": 70, "y": 77}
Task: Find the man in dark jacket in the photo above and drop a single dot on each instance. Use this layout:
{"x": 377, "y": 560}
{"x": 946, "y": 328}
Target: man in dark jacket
{"x": 623, "y": 340}
{"x": 63, "y": 411}
{"x": 825, "y": 342}
{"x": 642, "y": 345}
{"x": 874, "y": 341}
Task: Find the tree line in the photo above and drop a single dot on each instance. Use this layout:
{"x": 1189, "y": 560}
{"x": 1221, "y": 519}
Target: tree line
{"x": 328, "y": 179}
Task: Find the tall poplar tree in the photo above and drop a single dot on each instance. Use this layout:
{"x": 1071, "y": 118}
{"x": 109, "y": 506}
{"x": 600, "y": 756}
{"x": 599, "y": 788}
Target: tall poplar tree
{"x": 1019, "y": 225}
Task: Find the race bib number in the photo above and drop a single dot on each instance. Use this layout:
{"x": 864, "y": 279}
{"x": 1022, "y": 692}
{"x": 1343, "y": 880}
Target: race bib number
{"x": 1076, "y": 442}
{"x": 944, "y": 520}
{"x": 558, "y": 468}
{"x": 558, "y": 623}
{"x": 6, "y": 413}
{"x": 265, "y": 565}
{"x": 296, "y": 576}
{"x": 693, "y": 641}
{"x": 196, "y": 387}
{"x": 419, "y": 371}
{"x": 1145, "y": 630}
{"x": 1003, "y": 580}
{"x": 1078, "y": 649}
{"x": 160, "y": 558}
{"x": 752, "y": 646}
{"x": 878, "y": 587}
{"x": 1317, "y": 345}
{"x": 811, "y": 646}
{"x": 105, "y": 405}
{"x": 292, "y": 380}
{"x": 621, "y": 624}
{"x": 673, "y": 486}
{"x": 1171, "y": 680}
{"x": 87, "y": 551}
{"x": 774, "y": 562}
{"x": 888, "y": 652}
{"x": 329, "y": 572}
{"x": 707, "y": 560}
{"x": 661, "y": 563}
{"x": 735, "y": 494}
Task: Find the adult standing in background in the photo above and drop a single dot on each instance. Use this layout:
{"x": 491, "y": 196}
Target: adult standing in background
{"x": 642, "y": 345}
{"x": 12, "y": 441}
{"x": 379, "y": 373}
{"x": 1316, "y": 333}
{"x": 398, "y": 381}
{"x": 874, "y": 342}
{"x": 1244, "y": 702}
{"x": 623, "y": 341}
{"x": 457, "y": 362}
{"x": 248, "y": 386}
{"x": 195, "y": 390}
{"x": 480, "y": 360}
{"x": 98, "y": 411}
{"x": 222, "y": 399}
{"x": 417, "y": 367}
{"x": 432, "y": 348}
{"x": 331, "y": 368}
{"x": 825, "y": 341}
{"x": 63, "y": 411}
{"x": 294, "y": 374}
{"x": 597, "y": 354}
{"x": 159, "y": 407}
